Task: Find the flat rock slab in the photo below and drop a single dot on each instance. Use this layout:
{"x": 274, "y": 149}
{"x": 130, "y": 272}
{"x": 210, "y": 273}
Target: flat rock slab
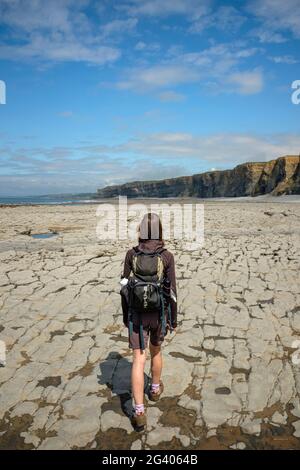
{"x": 231, "y": 372}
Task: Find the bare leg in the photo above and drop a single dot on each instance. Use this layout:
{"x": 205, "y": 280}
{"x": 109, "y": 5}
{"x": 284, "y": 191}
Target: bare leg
{"x": 137, "y": 376}
{"x": 156, "y": 363}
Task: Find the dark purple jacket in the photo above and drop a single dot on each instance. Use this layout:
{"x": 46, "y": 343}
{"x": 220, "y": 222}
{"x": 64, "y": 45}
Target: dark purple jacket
{"x": 169, "y": 273}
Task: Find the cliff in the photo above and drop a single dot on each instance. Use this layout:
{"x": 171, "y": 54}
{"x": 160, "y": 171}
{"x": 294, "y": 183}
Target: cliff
{"x": 276, "y": 177}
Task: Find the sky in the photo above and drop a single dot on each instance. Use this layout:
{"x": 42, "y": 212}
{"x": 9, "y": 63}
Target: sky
{"x": 105, "y": 92}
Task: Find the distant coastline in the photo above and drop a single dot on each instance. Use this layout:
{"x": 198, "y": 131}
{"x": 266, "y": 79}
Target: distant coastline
{"x": 76, "y": 200}
{"x": 278, "y": 176}
{"x": 247, "y": 181}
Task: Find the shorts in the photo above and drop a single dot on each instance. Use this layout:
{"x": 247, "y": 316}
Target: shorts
{"x": 152, "y": 329}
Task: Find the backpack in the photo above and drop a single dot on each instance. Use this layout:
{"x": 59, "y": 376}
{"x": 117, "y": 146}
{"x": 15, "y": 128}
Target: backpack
{"x": 146, "y": 283}
{"x": 145, "y": 288}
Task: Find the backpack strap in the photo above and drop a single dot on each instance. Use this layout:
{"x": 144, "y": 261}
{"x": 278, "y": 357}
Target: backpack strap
{"x": 170, "y": 317}
{"x": 160, "y": 267}
{"x": 142, "y": 343}
{"x": 162, "y": 315}
{"x": 134, "y": 264}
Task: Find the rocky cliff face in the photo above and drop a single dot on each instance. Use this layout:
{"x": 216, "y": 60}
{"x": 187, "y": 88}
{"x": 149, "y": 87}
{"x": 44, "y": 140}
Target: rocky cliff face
{"x": 280, "y": 176}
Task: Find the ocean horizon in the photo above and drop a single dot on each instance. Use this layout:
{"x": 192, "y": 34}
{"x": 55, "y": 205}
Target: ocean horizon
{"x": 91, "y": 198}
{"x": 49, "y": 199}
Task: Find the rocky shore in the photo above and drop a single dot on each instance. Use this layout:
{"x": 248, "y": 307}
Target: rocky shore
{"x": 66, "y": 382}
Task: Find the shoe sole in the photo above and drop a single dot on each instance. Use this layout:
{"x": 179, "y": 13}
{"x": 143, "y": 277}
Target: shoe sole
{"x": 139, "y": 428}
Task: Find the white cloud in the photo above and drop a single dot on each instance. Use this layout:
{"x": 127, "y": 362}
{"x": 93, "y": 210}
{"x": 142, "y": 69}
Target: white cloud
{"x": 284, "y": 59}
{"x": 60, "y": 49}
{"x": 54, "y": 170}
{"x": 171, "y": 96}
{"x": 158, "y": 76}
{"x": 140, "y": 46}
{"x": 199, "y": 12}
{"x": 152, "y": 156}
{"x": 218, "y": 64}
{"x": 192, "y": 8}
{"x": 277, "y": 17}
{"x": 247, "y": 83}
{"x": 268, "y": 36}
{"x": 119, "y": 27}
{"x": 32, "y": 15}
{"x": 218, "y": 59}
{"x": 59, "y": 31}
{"x": 149, "y": 47}
{"x": 219, "y": 68}
{"x": 215, "y": 149}
{"x": 225, "y": 18}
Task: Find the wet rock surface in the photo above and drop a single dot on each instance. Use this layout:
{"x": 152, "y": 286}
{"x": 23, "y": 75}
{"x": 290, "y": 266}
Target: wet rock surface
{"x": 230, "y": 374}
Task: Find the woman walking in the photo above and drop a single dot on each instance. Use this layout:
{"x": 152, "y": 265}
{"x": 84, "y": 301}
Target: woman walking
{"x": 149, "y": 307}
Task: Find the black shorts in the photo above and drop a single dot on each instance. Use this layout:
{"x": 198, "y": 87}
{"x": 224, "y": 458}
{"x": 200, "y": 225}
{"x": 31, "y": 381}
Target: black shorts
{"x": 152, "y": 329}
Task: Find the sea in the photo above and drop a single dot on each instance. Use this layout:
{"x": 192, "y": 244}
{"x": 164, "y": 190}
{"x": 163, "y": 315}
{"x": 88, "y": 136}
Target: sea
{"x": 49, "y": 199}
{"x": 91, "y": 198}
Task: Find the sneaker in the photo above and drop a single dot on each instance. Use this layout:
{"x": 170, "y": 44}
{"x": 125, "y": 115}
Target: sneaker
{"x": 154, "y": 396}
{"x": 139, "y": 421}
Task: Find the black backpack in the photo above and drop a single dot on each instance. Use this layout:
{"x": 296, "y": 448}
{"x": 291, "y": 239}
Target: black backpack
{"x": 145, "y": 288}
{"x": 146, "y": 283}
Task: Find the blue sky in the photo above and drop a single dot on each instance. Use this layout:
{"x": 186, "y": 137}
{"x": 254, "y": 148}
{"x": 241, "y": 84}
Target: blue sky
{"x": 104, "y": 92}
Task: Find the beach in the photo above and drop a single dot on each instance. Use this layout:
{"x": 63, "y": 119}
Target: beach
{"x": 231, "y": 370}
